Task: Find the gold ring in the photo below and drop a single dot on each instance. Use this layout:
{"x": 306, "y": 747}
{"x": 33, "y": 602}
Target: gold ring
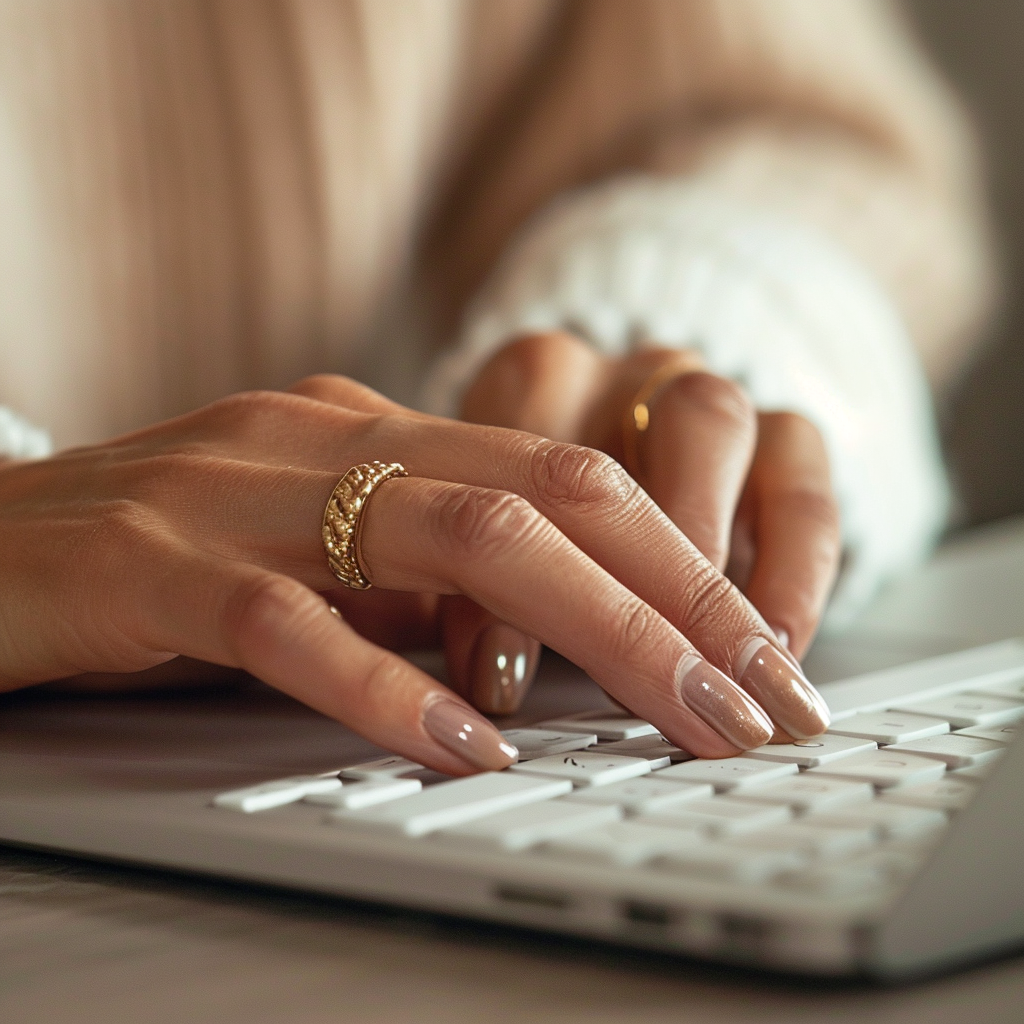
{"x": 638, "y": 413}
{"x": 343, "y": 519}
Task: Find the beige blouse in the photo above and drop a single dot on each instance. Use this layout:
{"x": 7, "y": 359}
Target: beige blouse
{"x": 198, "y": 196}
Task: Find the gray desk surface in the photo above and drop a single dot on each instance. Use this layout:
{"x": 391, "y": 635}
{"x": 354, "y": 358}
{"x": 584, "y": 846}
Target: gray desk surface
{"x": 83, "y": 942}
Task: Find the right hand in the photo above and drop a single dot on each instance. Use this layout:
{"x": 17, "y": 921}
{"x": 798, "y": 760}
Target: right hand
{"x": 201, "y": 537}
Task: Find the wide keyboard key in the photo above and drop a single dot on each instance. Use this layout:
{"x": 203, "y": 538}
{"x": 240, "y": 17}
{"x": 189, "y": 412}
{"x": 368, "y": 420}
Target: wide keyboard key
{"x": 889, "y": 727}
{"x": 884, "y": 768}
{"x": 523, "y": 827}
{"x": 722, "y": 817}
{"x": 813, "y": 752}
{"x": 533, "y": 743}
{"x": 1012, "y": 688}
{"x": 654, "y": 748}
{"x": 383, "y": 767}
{"x": 278, "y": 793}
{"x": 365, "y": 794}
{"x": 954, "y": 749}
{"x": 625, "y": 843}
{"x": 732, "y": 863}
{"x": 452, "y": 803}
{"x": 729, "y": 772}
{"x": 997, "y": 733}
{"x": 606, "y": 725}
{"x": 889, "y": 820}
{"x": 948, "y": 794}
{"x": 644, "y": 795}
{"x": 849, "y": 878}
{"x": 809, "y": 793}
{"x": 967, "y": 709}
{"x": 587, "y": 768}
{"x": 812, "y": 837}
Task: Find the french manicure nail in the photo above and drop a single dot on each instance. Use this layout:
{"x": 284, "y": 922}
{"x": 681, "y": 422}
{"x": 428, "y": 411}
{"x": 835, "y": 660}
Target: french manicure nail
{"x": 468, "y": 735}
{"x": 502, "y": 668}
{"x": 781, "y": 689}
{"x": 718, "y": 701}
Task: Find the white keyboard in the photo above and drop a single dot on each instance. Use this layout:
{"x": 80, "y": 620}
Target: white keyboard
{"x": 851, "y": 811}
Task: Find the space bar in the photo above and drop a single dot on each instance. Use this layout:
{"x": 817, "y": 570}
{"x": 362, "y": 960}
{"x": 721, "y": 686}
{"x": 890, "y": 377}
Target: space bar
{"x": 453, "y": 803}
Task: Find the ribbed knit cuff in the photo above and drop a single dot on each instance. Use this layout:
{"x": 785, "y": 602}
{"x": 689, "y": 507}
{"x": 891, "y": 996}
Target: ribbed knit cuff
{"x": 20, "y": 440}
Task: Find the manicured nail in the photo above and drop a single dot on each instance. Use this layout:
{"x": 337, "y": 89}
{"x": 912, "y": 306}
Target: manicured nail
{"x": 781, "y": 689}
{"x": 468, "y": 735}
{"x": 718, "y": 701}
{"x": 502, "y": 668}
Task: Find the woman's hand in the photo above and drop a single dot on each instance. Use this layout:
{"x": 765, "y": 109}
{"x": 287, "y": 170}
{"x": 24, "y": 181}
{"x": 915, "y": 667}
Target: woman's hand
{"x": 202, "y": 537}
{"x": 751, "y": 490}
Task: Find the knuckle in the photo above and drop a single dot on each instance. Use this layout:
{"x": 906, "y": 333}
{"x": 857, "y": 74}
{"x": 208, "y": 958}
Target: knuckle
{"x": 321, "y": 386}
{"x": 268, "y": 607}
{"x": 710, "y": 602}
{"x": 568, "y": 474}
{"x": 246, "y": 411}
{"x": 717, "y": 398}
{"x": 481, "y": 523}
{"x": 814, "y": 508}
{"x": 632, "y": 631}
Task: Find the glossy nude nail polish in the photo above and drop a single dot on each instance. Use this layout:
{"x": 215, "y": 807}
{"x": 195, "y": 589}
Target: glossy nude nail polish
{"x": 781, "y": 689}
{"x": 502, "y": 667}
{"x": 718, "y": 701}
{"x": 468, "y": 735}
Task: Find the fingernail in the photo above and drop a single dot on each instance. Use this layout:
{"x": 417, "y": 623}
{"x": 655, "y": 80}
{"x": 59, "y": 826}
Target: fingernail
{"x": 502, "y": 668}
{"x": 468, "y": 735}
{"x": 718, "y": 701}
{"x": 783, "y": 636}
{"x": 781, "y": 689}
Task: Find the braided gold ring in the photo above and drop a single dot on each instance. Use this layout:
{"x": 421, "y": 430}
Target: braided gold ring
{"x": 343, "y": 519}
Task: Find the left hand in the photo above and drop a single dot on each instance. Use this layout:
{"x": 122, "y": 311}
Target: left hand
{"x": 750, "y": 489}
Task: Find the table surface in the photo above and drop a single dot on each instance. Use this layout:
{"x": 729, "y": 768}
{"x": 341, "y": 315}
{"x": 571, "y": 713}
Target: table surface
{"x": 84, "y": 942}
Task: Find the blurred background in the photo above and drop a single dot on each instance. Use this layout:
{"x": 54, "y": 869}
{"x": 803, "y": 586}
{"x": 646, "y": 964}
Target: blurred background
{"x": 978, "y": 46}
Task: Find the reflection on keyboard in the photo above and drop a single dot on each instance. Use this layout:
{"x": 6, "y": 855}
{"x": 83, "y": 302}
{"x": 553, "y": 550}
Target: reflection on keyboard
{"x": 854, "y": 810}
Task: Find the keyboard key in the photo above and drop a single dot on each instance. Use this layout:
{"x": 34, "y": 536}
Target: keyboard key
{"x": 1012, "y": 688}
{"x": 452, "y": 803}
{"x": 884, "y": 769}
{"x": 278, "y": 793}
{"x": 645, "y": 795}
{"x": 954, "y": 749}
{"x": 967, "y": 709}
{"x": 810, "y": 793}
{"x": 721, "y": 816}
{"x": 813, "y": 838}
{"x": 732, "y": 863}
{"x": 654, "y": 748}
{"x": 365, "y": 794}
{"x": 728, "y": 772}
{"x": 625, "y": 843}
{"x": 889, "y": 820}
{"x": 849, "y": 878}
{"x": 533, "y": 743}
{"x": 889, "y": 727}
{"x": 811, "y": 753}
{"x": 587, "y": 768}
{"x": 977, "y": 772}
{"x": 523, "y": 827}
{"x": 948, "y": 794}
{"x": 606, "y": 725}
{"x": 997, "y": 733}
{"x": 383, "y": 767}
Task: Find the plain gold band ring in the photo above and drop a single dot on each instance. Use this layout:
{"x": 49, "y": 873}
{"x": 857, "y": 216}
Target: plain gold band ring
{"x": 343, "y": 519}
{"x": 637, "y": 417}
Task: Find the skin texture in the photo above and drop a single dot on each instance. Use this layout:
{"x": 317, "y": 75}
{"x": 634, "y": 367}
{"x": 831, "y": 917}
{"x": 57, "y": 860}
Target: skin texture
{"x": 201, "y": 537}
{"x": 750, "y": 489}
